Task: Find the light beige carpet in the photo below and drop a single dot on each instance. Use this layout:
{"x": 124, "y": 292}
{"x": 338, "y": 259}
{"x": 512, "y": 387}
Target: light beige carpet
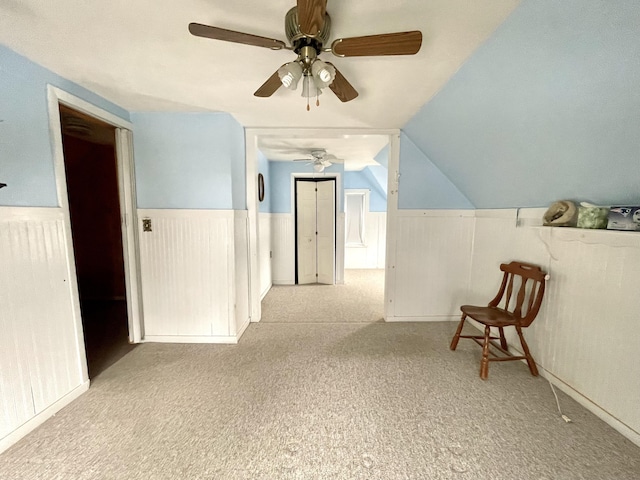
{"x": 321, "y": 401}
{"x": 360, "y": 299}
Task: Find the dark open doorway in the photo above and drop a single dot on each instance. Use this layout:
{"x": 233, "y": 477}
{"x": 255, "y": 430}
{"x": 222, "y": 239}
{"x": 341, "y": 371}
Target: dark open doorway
{"x": 94, "y": 204}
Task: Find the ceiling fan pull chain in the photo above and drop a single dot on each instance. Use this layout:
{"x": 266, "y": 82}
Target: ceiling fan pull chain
{"x": 307, "y": 85}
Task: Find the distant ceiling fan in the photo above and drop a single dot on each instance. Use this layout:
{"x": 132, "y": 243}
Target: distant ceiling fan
{"x": 307, "y": 27}
{"x": 320, "y": 159}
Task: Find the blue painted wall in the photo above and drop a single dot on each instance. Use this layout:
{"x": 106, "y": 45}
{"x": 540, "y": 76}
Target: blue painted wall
{"x": 280, "y": 183}
{"x": 26, "y": 151}
{"x": 383, "y": 157}
{"x": 378, "y": 175}
{"x": 422, "y": 184}
{"x": 189, "y": 161}
{"x": 364, "y": 179}
{"x": 548, "y": 108}
{"x": 237, "y": 157}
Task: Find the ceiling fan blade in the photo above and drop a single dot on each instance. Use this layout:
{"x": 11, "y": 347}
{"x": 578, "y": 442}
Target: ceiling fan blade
{"x": 217, "y": 33}
{"x": 399, "y": 43}
{"x": 311, "y": 15}
{"x": 341, "y": 87}
{"x": 269, "y": 87}
{"x": 333, "y": 159}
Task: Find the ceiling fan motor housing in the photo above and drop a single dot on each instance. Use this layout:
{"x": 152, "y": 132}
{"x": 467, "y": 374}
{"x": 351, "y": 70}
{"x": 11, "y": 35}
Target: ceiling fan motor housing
{"x": 298, "y": 40}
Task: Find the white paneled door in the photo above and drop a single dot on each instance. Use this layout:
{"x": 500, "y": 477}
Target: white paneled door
{"x": 315, "y": 225}
{"x": 306, "y": 226}
{"x": 326, "y": 225}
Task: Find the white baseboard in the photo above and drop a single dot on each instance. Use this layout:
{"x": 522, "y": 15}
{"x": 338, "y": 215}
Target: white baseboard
{"x": 42, "y": 417}
{"x": 594, "y": 408}
{"x": 427, "y": 318}
{"x": 242, "y": 328}
{"x": 266, "y": 290}
{"x": 190, "y": 339}
{"x": 587, "y": 403}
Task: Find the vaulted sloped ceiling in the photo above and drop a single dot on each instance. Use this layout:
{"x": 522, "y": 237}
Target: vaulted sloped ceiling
{"x": 141, "y": 56}
{"x": 548, "y": 108}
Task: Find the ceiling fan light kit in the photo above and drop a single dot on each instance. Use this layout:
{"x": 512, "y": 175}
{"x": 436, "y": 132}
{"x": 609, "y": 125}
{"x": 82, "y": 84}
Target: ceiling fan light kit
{"x": 290, "y": 74}
{"x": 319, "y": 159}
{"x": 308, "y": 28}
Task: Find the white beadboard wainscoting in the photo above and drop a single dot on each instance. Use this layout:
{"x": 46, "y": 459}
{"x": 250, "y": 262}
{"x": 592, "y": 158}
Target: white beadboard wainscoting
{"x": 241, "y": 272}
{"x": 372, "y": 255}
{"x": 585, "y": 337}
{"x": 264, "y": 252}
{"x": 432, "y": 262}
{"x": 193, "y": 279}
{"x": 42, "y": 359}
{"x": 283, "y": 246}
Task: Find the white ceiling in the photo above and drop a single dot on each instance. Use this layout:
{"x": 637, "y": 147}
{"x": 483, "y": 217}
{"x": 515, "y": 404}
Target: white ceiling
{"x": 140, "y": 55}
{"x": 355, "y": 151}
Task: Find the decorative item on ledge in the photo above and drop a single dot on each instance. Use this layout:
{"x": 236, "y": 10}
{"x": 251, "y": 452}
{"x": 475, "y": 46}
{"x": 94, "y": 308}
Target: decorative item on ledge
{"x": 624, "y": 218}
{"x": 592, "y": 216}
{"x": 565, "y": 213}
{"x": 561, "y": 214}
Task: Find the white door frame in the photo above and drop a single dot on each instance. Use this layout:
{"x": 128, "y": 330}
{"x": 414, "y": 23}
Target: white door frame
{"x": 339, "y": 248}
{"x": 338, "y": 245}
{"x": 126, "y": 187}
{"x": 251, "y": 153}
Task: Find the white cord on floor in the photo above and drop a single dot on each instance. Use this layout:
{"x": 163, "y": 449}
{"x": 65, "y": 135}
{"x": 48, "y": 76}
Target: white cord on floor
{"x": 562, "y": 415}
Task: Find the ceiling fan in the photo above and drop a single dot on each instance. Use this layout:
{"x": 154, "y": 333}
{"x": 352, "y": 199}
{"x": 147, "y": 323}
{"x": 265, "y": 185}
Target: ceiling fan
{"x": 320, "y": 159}
{"x": 308, "y": 27}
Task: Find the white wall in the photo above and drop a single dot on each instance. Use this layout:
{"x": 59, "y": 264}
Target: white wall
{"x": 283, "y": 246}
{"x": 42, "y": 361}
{"x": 188, "y": 270}
{"x": 373, "y": 254}
{"x": 431, "y": 267}
{"x": 240, "y": 295}
{"x": 585, "y": 337}
{"x": 283, "y": 241}
{"x": 264, "y": 252}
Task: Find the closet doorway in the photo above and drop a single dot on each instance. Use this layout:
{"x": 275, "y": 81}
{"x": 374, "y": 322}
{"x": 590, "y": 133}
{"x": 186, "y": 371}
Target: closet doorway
{"x": 91, "y": 174}
{"x": 315, "y": 221}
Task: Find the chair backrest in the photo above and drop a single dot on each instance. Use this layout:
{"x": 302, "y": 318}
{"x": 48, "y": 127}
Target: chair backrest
{"x": 528, "y": 282}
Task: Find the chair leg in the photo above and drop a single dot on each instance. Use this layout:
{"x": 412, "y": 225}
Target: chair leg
{"x": 456, "y": 337}
{"x": 503, "y": 340}
{"x": 527, "y": 354}
{"x": 484, "y": 364}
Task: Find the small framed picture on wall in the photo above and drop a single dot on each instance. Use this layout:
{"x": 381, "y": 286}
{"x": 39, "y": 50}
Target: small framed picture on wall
{"x": 260, "y": 187}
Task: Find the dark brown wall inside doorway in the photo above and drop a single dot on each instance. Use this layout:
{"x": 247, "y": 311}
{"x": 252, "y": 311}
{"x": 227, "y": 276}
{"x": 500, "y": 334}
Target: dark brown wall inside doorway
{"x": 92, "y": 186}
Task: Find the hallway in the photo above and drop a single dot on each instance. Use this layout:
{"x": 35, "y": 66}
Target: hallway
{"x": 359, "y": 300}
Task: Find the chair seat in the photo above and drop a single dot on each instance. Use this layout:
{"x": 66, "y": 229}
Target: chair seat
{"x": 491, "y": 316}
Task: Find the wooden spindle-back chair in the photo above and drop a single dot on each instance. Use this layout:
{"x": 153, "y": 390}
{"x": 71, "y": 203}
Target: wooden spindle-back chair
{"x": 516, "y": 304}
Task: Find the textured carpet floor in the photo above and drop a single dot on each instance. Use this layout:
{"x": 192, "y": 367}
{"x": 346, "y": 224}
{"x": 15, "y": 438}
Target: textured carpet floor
{"x": 321, "y": 401}
{"x": 359, "y": 299}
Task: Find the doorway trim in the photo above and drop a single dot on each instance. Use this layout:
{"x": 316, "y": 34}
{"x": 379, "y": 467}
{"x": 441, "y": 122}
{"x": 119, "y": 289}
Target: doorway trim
{"x": 338, "y": 260}
{"x": 126, "y": 188}
{"x": 251, "y": 155}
